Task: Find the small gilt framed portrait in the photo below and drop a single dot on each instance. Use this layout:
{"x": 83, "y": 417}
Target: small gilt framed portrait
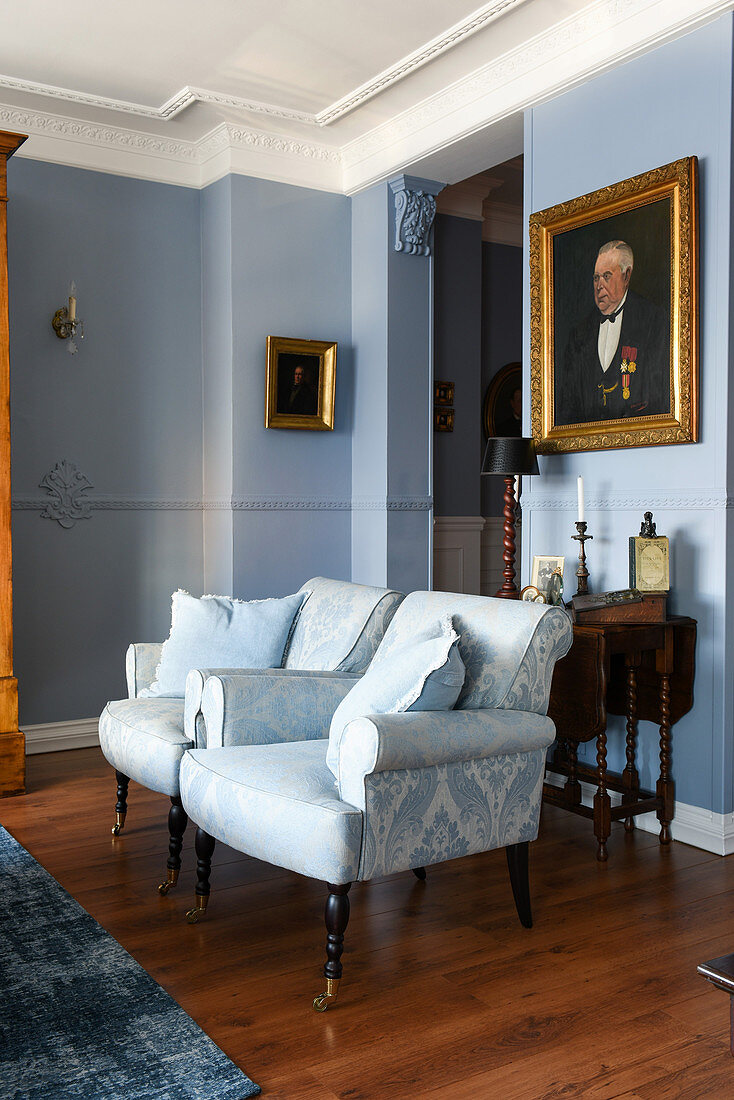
{"x": 300, "y": 384}
{"x": 613, "y": 315}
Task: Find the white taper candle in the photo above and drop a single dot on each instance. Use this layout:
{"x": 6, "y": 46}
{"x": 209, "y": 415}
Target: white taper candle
{"x": 581, "y": 499}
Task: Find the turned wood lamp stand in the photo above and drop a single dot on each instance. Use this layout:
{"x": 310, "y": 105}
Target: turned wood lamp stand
{"x": 509, "y": 456}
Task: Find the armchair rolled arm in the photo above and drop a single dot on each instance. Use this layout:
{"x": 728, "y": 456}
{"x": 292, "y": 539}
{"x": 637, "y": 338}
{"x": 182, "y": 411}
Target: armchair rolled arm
{"x": 271, "y": 706}
{"x": 141, "y": 662}
{"x": 424, "y": 739}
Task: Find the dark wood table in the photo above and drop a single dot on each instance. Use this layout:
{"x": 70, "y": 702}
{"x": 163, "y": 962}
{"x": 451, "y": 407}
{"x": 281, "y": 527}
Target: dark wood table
{"x": 639, "y": 670}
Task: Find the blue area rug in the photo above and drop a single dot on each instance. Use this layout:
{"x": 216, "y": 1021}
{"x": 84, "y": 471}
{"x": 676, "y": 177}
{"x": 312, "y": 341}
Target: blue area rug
{"x": 79, "y": 1018}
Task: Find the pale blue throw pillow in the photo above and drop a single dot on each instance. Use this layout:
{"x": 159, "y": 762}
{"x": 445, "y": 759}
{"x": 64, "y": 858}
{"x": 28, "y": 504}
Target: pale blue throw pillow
{"x": 221, "y": 632}
{"x": 426, "y": 673}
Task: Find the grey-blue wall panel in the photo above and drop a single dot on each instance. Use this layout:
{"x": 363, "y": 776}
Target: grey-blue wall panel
{"x": 502, "y": 275}
{"x": 126, "y": 409}
{"x": 291, "y": 276}
{"x": 457, "y": 326}
{"x": 658, "y": 117}
{"x": 216, "y": 302}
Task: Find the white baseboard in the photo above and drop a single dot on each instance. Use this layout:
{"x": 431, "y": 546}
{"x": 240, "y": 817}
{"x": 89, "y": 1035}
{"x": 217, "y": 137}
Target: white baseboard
{"x": 83, "y": 733}
{"x": 691, "y": 825}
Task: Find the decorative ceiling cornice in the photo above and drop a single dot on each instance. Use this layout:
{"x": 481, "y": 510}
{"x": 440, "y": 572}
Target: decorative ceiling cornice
{"x": 604, "y": 34}
{"x": 188, "y": 95}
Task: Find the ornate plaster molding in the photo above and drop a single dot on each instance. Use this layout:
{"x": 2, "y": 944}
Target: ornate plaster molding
{"x": 66, "y": 484}
{"x": 415, "y": 210}
{"x": 188, "y": 96}
{"x": 686, "y": 500}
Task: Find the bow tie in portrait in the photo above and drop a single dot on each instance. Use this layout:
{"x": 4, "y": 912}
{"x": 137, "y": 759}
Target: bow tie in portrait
{"x": 609, "y": 316}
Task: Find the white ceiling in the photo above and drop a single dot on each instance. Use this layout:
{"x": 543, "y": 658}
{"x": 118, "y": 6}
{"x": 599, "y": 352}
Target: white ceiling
{"x": 327, "y": 93}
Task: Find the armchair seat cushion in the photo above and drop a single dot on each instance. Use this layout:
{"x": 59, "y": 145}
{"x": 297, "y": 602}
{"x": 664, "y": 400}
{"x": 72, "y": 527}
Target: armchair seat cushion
{"x": 145, "y": 740}
{"x": 277, "y": 803}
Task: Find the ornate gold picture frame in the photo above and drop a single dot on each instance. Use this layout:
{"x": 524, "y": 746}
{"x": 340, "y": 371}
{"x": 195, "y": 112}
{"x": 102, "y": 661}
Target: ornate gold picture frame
{"x": 299, "y": 384}
{"x": 614, "y": 315}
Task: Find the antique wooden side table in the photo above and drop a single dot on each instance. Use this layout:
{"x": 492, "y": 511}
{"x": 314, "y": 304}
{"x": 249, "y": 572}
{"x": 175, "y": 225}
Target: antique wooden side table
{"x": 639, "y": 670}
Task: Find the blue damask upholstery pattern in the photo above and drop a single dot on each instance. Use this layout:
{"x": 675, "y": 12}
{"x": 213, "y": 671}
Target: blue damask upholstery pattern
{"x": 340, "y": 625}
{"x": 260, "y": 708}
{"x": 141, "y": 661}
{"x": 144, "y": 739}
{"x": 277, "y": 803}
{"x": 509, "y": 657}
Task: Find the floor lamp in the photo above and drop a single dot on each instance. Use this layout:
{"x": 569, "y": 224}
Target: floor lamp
{"x": 509, "y": 456}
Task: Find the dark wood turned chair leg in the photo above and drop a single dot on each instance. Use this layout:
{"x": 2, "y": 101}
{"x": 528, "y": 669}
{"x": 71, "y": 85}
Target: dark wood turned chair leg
{"x": 204, "y": 852}
{"x": 178, "y": 819}
{"x": 337, "y": 918}
{"x": 420, "y": 872}
{"x": 517, "y": 862}
{"x": 121, "y": 804}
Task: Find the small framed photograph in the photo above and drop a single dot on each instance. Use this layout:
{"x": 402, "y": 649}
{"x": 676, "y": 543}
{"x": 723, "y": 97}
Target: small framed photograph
{"x": 443, "y": 419}
{"x": 544, "y": 566}
{"x": 299, "y": 384}
{"x": 443, "y": 393}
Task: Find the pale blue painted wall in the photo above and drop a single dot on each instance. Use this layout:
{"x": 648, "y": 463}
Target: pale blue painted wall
{"x": 391, "y": 446}
{"x": 671, "y": 103}
{"x": 216, "y": 305}
{"x": 291, "y": 276}
{"x": 370, "y": 228}
{"x": 502, "y": 334}
{"x": 127, "y": 410}
{"x": 457, "y": 455}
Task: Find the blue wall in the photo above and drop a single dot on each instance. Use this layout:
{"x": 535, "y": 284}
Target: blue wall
{"x": 502, "y": 335}
{"x": 126, "y": 409}
{"x": 291, "y": 263}
{"x": 671, "y": 103}
{"x": 457, "y": 455}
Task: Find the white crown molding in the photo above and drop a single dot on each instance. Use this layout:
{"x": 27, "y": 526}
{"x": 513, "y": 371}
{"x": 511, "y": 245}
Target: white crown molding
{"x": 188, "y": 95}
{"x": 477, "y": 21}
{"x": 692, "y": 825}
{"x": 604, "y": 34}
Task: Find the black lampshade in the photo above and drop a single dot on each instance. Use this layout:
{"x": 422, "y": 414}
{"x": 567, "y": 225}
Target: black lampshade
{"x": 509, "y": 455}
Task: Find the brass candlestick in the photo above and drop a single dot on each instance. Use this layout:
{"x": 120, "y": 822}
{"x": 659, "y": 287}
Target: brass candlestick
{"x": 582, "y": 573}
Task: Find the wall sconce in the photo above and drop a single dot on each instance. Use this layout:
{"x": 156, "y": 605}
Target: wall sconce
{"x": 65, "y": 322}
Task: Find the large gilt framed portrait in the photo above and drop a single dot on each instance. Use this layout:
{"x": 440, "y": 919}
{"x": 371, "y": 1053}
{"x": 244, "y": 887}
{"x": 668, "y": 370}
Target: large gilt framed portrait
{"x": 613, "y": 315}
{"x": 299, "y": 384}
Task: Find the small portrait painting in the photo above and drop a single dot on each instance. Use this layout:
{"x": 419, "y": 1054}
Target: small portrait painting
{"x": 502, "y": 414}
{"x": 613, "y": 315}
{"x": 299, "y": 384}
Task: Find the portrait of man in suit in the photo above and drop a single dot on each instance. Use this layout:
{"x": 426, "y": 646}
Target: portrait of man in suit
{"x": 616, "y": 361}
{"x": 297, "y": 393}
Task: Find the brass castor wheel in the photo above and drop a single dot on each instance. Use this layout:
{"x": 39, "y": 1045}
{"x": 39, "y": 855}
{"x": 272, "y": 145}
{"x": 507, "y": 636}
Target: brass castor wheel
{"x": 194, "y": 915}
{"x": 119, "y": 823}
{"x": 322, "y": 1002}
{"x": 116, "y": 830}
{"x": 171, "y": 880}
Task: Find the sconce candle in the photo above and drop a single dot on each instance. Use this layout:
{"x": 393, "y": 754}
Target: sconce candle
{"x": 72, "y": 308}
{"x": 581, "y": 500}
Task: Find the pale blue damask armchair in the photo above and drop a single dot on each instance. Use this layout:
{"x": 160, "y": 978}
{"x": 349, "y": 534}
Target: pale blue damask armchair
{"x": 387, "y": 792}
{"x": 335, "y": 636}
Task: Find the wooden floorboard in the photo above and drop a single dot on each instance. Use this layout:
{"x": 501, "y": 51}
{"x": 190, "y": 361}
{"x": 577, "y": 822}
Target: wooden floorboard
{"x": 444, "y": 993}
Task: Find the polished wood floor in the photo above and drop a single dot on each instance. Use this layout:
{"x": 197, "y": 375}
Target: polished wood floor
{"x": 444, "y": 994}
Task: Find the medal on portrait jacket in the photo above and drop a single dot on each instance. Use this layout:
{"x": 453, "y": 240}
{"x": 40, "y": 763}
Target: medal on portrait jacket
{"x": 628, "y": 368}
